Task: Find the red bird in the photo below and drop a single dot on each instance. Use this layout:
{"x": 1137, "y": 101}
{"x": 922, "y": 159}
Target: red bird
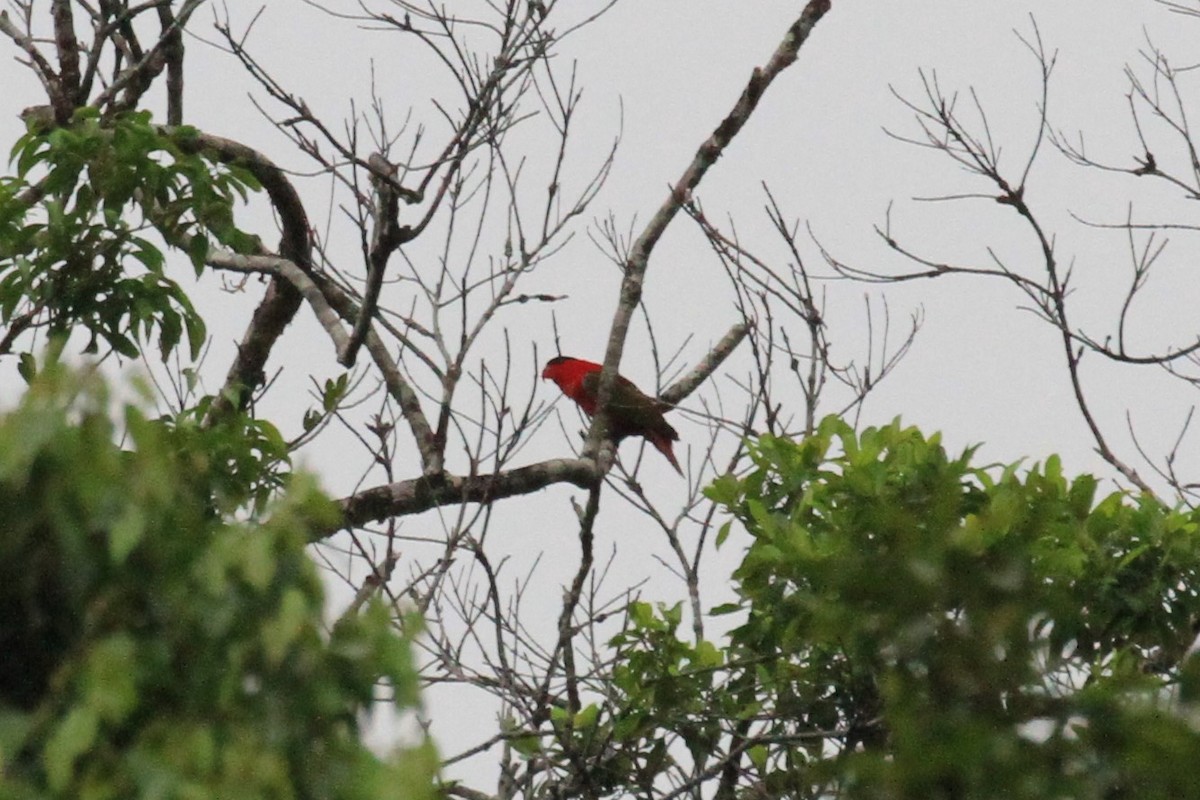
{"x": 630, "y": 412}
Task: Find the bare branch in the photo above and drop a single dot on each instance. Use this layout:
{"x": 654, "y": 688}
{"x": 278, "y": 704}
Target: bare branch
{"x": 635, "y": 267}
{"x": 421, "y": 494}
{"x": 687, "y": 384}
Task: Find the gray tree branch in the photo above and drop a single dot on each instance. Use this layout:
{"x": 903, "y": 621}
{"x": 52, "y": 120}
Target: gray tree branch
{"x": 635, "y": 267}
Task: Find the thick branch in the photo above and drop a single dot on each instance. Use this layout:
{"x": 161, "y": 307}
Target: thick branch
{"x": 298, "y": 278}
{"x": 172, "y": 38}
{"x": 273, "y": 314}
{"x": 282, "y": 301}
{"x": 707, "y": 366}
{"x": 421, "y": 494}
{"x": 385, "y": 241}
{"x": 137, "y": 78}
{"x": 331, "y": 305}
{"x": 293, "y": 219}
{"x": 68, "y": 57}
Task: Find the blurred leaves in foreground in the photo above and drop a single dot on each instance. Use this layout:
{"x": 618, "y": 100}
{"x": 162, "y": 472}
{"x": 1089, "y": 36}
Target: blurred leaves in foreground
{"x": 157, "y": 639}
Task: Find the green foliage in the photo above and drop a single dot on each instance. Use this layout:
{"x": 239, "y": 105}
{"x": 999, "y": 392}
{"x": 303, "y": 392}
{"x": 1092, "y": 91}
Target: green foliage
{"x": 245, "y": 458}
{"x": 157, "y": 645}
{"x": 910, "y": 626}
{"x": 660, "y": 678}
{"x": 73, "y": 219}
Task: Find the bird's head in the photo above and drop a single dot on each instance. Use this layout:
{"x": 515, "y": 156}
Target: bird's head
{"x": 555, "y": 366}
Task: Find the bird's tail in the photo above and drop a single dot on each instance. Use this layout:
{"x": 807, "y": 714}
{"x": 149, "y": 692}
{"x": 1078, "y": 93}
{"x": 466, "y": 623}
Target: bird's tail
{"x": 663, "y": 445}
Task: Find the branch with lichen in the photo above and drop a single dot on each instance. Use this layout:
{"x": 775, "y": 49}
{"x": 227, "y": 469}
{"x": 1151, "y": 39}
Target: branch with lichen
{"x": 415, "y": 495}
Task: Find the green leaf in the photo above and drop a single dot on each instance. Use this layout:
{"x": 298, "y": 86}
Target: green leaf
{"x": 126, "y": 533}
{"x": 723, "y": 533}
{"x": 197, "y": 250}
{"x": 197, "y": 333}
{"x": 257, "y": 561}
{"x": 527, "y": 746}
{"x": 27, "y": 367}
{"x": 708, "y": 655}
{"x": 641, "y": 614}
{"x": 73, "y": 737}
{"x": 587, "y": 716}
{"x": 289, "y": 623}
{"x": 334, "y": 391}
{"x": 111, "y": 678}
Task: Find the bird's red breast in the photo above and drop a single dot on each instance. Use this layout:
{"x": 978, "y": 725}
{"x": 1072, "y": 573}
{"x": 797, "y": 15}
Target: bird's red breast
{"x": 569, "y": 373}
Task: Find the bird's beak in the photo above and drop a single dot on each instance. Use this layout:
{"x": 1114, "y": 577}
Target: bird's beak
{"x": 544, "y": 375}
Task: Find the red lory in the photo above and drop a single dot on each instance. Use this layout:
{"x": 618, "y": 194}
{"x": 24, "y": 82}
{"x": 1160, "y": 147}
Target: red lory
{"x": 630, "y": 412}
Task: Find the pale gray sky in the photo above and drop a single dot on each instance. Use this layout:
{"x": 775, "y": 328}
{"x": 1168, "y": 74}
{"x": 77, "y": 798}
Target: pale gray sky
{"x": 980, "y": 370}
{"x": 675, "y": 66}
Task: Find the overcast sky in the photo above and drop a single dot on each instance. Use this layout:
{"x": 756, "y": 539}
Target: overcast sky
{"x": 662, "y": 74}
{"x": 981, "y": 370}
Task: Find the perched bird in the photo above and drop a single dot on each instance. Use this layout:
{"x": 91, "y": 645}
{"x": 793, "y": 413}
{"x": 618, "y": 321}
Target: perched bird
{"x": 630, "y": 412}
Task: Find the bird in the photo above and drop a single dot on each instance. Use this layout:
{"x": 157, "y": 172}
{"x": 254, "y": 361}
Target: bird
{"x": 630, "y": 411}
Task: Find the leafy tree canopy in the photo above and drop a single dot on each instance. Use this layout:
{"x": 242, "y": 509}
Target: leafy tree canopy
{"x": 910, "y": 625}
{"x": 155, "y": 646}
